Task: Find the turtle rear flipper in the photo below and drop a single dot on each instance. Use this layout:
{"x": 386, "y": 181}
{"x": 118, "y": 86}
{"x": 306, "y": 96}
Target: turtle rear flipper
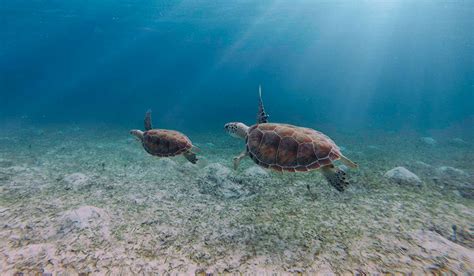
{"x": 336, "y": 177}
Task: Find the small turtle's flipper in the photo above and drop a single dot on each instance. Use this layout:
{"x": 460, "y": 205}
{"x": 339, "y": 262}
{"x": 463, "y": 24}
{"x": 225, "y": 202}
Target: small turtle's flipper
{"x": 336, "y": 177}
{"x": 238, "y": 158}
{"x": 191, "y": 156}
{"x": 262, "y": 116}
{"x": 348, "y": 162}
{"x": 148, "y": 125}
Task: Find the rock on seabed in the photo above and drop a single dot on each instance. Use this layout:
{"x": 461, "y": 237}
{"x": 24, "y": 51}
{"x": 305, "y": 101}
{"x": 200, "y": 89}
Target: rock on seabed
{"x": 85, "y": 217}
{"x": 219, "y": 181}
{"x": 166, "y": 164}
{"x": 458, "y": 142}
{"x": 401, "y": 175}
{"x": 76, "y": 180}
{"x": 450, "y": 172}
{"x": 5, "y": 163}
{"x": 434, "y": 244}
{"x": 429, "y": 141}
{"x": 256, "y": 172}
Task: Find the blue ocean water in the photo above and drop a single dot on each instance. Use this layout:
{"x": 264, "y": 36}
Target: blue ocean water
{"x": 391, "y": 82}
{"x": 388, "y": 65}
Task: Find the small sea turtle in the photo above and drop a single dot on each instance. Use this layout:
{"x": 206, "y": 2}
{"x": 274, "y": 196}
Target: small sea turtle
{"x": 284, "y": 147}
{"x": 164, "y": 142}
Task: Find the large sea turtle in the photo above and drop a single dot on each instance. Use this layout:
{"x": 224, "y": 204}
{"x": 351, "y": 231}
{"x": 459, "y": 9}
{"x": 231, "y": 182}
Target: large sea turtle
{"x": 164, "y": 142}
{"x": 284, "y": 147}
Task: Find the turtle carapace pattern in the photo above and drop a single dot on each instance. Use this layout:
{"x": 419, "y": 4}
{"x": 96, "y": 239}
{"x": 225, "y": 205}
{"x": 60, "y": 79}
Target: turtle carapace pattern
{"x": 164, "y": 142}
{"x": 289, "y": 148}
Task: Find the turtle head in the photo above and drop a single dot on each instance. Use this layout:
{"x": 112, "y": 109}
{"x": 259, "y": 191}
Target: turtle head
{"x": 137, "y": 133}
{"x": 236, "y": 129}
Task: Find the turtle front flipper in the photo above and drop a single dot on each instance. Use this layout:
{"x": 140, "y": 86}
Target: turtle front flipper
{"x": 191, "y": 156}
{"x": 148, "y": 125}
{"x": 238, "y": 158}
{"x": 336, "y": 177}
{"x": 348, "y": 162}
{"x": 262, "y": 116}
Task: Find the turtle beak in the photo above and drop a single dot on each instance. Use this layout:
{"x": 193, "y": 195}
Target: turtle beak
{"x": 227, "y": 127}
{"x": 231, "y": 129}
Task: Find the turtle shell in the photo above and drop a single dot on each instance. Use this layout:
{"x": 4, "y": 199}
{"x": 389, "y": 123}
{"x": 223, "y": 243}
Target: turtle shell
{"x": 165, "y": 143}
{"x": 290, "y": 148}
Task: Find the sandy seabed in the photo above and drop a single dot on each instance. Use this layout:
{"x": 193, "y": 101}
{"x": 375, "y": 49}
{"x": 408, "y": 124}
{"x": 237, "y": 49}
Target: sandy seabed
{"x": 90, "y": 201}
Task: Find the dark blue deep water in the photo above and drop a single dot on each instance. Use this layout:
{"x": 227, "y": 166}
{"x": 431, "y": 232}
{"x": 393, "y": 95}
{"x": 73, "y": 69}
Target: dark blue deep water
{"x": 352, "y": 65}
